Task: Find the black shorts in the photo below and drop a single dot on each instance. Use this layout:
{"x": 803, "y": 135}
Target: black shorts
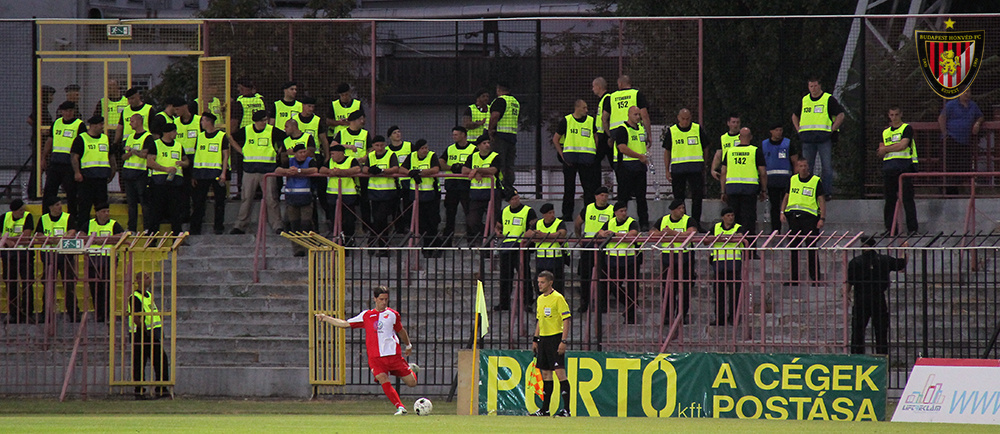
{"x": 548, "y": 355}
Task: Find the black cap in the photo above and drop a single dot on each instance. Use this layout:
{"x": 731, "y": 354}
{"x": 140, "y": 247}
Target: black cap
{"x": 355, "y": 115}
{"x": 676, "y": 203}
{"x": 288, "y": 84}
{"x": 72, "y": 87}
{"x": 192, "y": 106}
{"x": 95, "y": 119}
{"x": 299, "y": 147}
{"x": 377, "y": 139}
{"x": 869, "y": 241}
{"x": 48, "y": 89}
{"x": 100, "y": 206}
{"x": 511, "y": 193}
{"x": 168, "y": 127}
{"x": 210, "y": 115}
{"x": 67, "y": 105}
{"x": 621, "y": 204}
{"x": 392, "y": 129}
{"x": 16, "y": 204}
{"x": 49, "y": 202}
{"x": 726, "y": 210}
{"x": 343, "y": 88}
{"x": 601, "y": 190}
{"x": 420, "y": 143}
{"x": 259, "y": 115}
{"x": 547, "y": 208}
{"x": 130, "y": 92}
{"x": 175, "y": 101}
{"x": 307, "y": 100}
{"x": 337, "y": 148}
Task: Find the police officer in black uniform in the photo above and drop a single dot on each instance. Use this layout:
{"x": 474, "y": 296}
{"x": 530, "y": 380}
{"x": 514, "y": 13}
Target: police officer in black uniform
{"x": 868, "y": 274}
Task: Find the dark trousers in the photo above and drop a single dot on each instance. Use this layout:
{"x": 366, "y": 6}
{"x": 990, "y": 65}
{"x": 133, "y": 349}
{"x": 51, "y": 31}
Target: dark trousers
{"x": 506, "y": 156}
{"x": 199, "y": 201}
{"x": 891, "y": 191}
{"x": 164, "y": 203}
{"x": 135, "y": 194}
{"x": 803, "y": 224}
{"x": 18, "y": 275}
{"x": 56, "y": 176}
{"x": 146, "y": 346}
{"x": 452, "y": 199}
{"x": 90, "y": 192}
{"x": 586, "y": 272}
{"x": 475, "y": 219}
{"x": 99, "y": 269}
{"x": 959, "y": 158}
{"x": 874, "y": 307}
{"x": 381, "y": 213}
{"x": 745, "y": 208}
{"x": 590, "y": 179}
{"x": 681, "y": 182}
{"x": 621, "y": 274}
{"x": 429, "y": 215}
{"x": 348, "y": 214}
{"x": 729, "y": 281}
{"x": 680, "y": 267}
{"x": 775, "y": 195}
{"x": 632, "y": 184}
{"x": 604, "y": 152}
{"x": 556, "y": 266}
{"x": 511, "y": 261}
{"x": 64, "y": 266}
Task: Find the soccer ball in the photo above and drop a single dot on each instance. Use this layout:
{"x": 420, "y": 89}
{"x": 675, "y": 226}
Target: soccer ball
{"x": 423, "y": 407}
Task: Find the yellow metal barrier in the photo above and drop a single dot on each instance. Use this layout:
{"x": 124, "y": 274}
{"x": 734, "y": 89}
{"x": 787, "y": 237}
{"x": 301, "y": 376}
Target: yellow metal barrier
{"x": 327, "y": 357}
{"x": 144, "y": 281}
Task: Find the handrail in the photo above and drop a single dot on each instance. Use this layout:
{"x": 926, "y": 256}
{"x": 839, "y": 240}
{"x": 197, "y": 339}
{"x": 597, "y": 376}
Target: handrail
{"x": 970, "y": 210}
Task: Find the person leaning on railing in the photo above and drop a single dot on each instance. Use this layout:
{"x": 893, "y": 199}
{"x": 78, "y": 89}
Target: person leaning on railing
{"x": 623, "y": 258}
{"x": 381, "y": 165}
{"x": 18, "y": 264}
{"x": 421, "y": 166}
{"x": 680, "y": 262}
{"x": 342, "y": 185}
{"x": 550, "y": 253}
{"x": 587, "y": 224}
{"x": 727, "y": 262}
{"x": 99, "y": 263}
{"x": 56, "y": 223}
{"x": 481, "y": 167}
{"x": 298, "y": 194}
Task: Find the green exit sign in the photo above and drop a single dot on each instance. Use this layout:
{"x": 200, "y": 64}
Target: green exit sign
{"x": 71, "y": 245}
{"x": 119, "y": 31}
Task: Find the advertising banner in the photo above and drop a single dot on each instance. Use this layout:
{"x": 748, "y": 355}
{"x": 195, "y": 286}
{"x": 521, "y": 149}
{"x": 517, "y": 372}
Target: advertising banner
{"x": 951, "y": 390}
{"x": 749, "y": 386}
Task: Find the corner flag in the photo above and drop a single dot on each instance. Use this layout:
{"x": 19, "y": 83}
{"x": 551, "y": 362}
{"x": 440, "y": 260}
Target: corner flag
{"x": 484, "y": 319}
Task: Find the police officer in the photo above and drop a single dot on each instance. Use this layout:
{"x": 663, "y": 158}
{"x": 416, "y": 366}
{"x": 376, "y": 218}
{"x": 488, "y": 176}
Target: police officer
{"x": 780, "y": 157}
{"x": 727, "y": 264}
{"x": 675, "y": 260}
{"x": 576, "y": 145}
{"x": 298, "y": 191}
{"x": 166, "y": 161}
{"x": 18, "y": 264}
{"x": 135, "y": 106}
{"x": 99, "y": 264}
{"x": 805, "y": 212}
{"x": 587, "y": 224}
{"x": 341, "y": 109}
{"x": 728, "y": 139}
{"x": 503, "y": 127}
{"x": 145, "y": 325}
{"x": 622, "y": 257}
{"x": 550, "y": 253}
{"x": 285, "y": 108}
{"x": 514, "y": 222}
{"x": 381, "y": 165}
{"x": 481, "y": 168}
{"x": 476, "y": 118}
{"x": 456, "y": 189}
{"x": 632, "y": 163}
{"x": 899, "y": 156}
{"x": 93, "y": 168}
{"x": 260, "y": 145}
{"x": 868, "y": 275}
{"x": 56, "y": 158}
{"x": 56, "y": 223}
{"x": 744, "y": 178}
{"x": 210, "y": 169}
{"x": 134, "y": 175}
{"x": 684, "y": 157}
{"x": 421, "y": 166}
{"x": 818, "y": 117}
{"x": 342, "y": 190}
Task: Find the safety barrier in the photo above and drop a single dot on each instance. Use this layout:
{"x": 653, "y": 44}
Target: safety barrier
{"x": 906, "y": 181}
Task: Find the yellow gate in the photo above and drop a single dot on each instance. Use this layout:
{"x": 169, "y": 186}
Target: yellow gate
{"x": 327, "y": 357}
{"x": 214, "y": 88}
{"x": 144, "y": 277}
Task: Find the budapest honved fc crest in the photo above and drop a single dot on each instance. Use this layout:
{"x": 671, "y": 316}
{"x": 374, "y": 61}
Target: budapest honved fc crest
{"x": 950, "y": 60}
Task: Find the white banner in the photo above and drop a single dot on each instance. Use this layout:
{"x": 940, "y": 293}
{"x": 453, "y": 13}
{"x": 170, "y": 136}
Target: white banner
{"x": 951, "y": 390}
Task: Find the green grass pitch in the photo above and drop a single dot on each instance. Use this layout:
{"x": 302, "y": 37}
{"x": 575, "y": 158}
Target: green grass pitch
{"x": 352, "y": 416}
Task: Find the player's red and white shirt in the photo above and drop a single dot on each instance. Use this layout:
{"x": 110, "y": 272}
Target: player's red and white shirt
{"x": 380, "y": 331}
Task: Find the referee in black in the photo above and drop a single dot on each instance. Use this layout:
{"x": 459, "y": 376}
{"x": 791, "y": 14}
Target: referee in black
{"x": 549, "y": 344}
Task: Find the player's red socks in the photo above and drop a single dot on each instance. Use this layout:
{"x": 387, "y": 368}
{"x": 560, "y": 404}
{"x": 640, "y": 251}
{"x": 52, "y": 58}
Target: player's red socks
{"x": 390, "y": 393}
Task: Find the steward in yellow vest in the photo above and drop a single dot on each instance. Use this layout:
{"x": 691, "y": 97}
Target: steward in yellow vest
{"x": 623, "y": 266}
{"x": 677, "y": 261}
{"x": 380, "y": 166}
{"x": 249, "y": 102}
{"x": 805, "y": 212}
{"x": 684, "y": 156}
{"x": 310, "y": 124}
{"x": 341, "y": 189}
{"x": 56, "y": 223}
{"x": 210, "y": 170}
{"x": 631, "y": 163}
{"x": 899, "y": 156}
{"x": 93, "y": 167}
{"x": 549, "y": 251}
{"x": 146, "y": 325}
{"x": 504, "y": 123}
{"x": 588, "y": 223}
{"x": 727, "y": 140}
{"x": 744, "y": 180}
{"x": 287, "y": 107}
{"x": 819, "y": 116}
{"x": 100, "y": 262}
{"x": 166, "y": 162}
{"x": 727, "y": 263}
{"x": 476, "y": 118}
{"x": 420, "y": 167}
{"x": 575, "y": 141}
{"x": 615, "y": 109}
{"x": 514, "y": 222}
{"x": 135, "y": 106}
{"x": 354, "y": 137}
{"x": 18, "y": 264}
{"x": 188, "y": 126}
{"x": 341, "y": 109}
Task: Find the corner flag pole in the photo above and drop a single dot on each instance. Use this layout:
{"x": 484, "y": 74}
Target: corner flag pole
{"x": 481, "y": 316}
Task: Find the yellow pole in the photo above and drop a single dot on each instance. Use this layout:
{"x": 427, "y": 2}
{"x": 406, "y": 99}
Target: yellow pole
{"x": 472, "y": 378}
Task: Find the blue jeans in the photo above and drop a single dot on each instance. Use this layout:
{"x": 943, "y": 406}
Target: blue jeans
{"x": 825, "y": 149}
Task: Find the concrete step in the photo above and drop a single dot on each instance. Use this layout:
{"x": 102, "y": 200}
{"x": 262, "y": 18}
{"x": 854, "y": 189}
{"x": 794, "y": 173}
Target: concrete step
{"x": 238, "y": 330}
{"x": 269, "y": 303}
{"x": 193, "y": 320}
{"x": 200, "y": 291}
{"x": 237, "y": 276}
{"x": 230, "y": 260}
{"x": 284, "y": 357}
{"x": 197, "y": 343}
